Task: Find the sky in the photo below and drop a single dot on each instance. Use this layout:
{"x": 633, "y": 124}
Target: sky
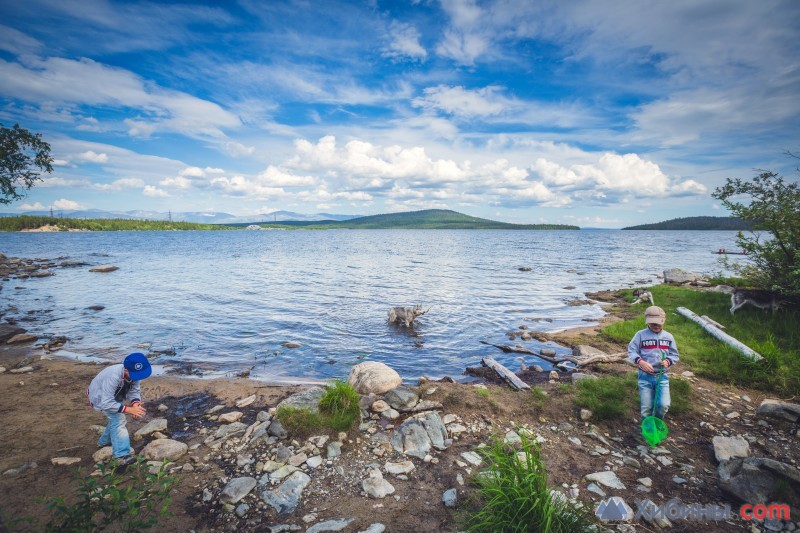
{"x": 598, "y": 114}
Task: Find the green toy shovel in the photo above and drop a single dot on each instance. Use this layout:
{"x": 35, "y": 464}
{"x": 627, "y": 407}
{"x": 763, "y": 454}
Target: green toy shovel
{"x": 654, "y": 430}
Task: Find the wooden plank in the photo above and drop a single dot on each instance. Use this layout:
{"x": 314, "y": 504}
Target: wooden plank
{"x": 505, "y": 373}
{"x": 719, "y": 334}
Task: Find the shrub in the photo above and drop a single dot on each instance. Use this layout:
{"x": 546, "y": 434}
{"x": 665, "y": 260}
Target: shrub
{"x": 129, "y": 501}
{"x": 513, "y": 494}
{"x": 340, "y": 405}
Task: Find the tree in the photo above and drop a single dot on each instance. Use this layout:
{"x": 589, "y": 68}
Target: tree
{"x": 23, "y": 158}
{"x": 774, "y": 207}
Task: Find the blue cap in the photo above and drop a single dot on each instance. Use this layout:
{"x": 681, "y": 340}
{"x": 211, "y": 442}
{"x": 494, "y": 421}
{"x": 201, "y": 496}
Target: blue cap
{"x": 138, "y": 366}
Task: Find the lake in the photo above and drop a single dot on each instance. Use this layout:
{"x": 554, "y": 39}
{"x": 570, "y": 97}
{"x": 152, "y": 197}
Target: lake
{"x": 226, "y": 301}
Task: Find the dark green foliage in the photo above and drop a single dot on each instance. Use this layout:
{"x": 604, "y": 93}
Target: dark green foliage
{"x": 774, "y": 207}
{"x": 514, "y": 497}
{"x": 100, "y": 224}
{"x": 609, "y": 397}
{"x": 426, "y": 219}
{"x": 119, "y": 502}
{"x": 23, "y": 157}
{"x": 698, "y": 223}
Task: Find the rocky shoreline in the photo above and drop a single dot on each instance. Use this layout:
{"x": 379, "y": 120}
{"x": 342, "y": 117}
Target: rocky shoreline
{"x": 408, "y": 466}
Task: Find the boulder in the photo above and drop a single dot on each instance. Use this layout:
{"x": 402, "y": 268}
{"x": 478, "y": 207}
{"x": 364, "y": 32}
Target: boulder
{"x": 168, "y": 449}
{"x": 401, "y": 398}
{"x": 404, "y": 467}
{"x": 679, "y": 275}
{"x": 236, "y": 489}
{"x": 727, "y": 448}
{"x": 435, "y": 428}
{"x": 375, "y": 486}
{"x": 230, "y": 430}
{"x": 372, "y": 376}
{"x": 277, "y": 430}
{"x": 584, "y": 351}
{"x": 157, "y": 424}
{"x": 779, "y": 409}
{"x": 308, "y": 399}
{"x": 286, "y": 497}
{"x": 411, "y": 438}
{"x": 758, "y": 479}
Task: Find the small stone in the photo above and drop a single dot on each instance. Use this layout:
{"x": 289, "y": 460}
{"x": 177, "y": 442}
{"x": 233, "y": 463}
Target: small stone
{"x": 157, "y": 424}
{"x": 244, "y": 402}
{"x": 646, "y": 481}
{"x": 554, "y": 375}
{"x": 450, "y": 498}
{"x": 375, "y": 486}
{"x": 593, "y": 487}
{"x": 23, "y": 370}
{"x": 679, "y": 480}
{"x": 65, "y": 461}
{"x": 236, "y": 489}
{"x": 404, "y": 467}
{"x": 330, "y": 525}
{"x": 241, "y": 510}
{"x": 727, "y": 448}
{"x": 472, "y": 458}
{"x": 607, "y": 478}
{"x": 575, "y": 440}
{"x": 586, "y": 414}
{"x": 334, "y": 449}
{"x": 103, "y": 454}
{"x": 229, "y": 418}
{"x": 104, "y": 268}
{"x": 732, "y": 415}
{"x": 633, "y": 463}
{"x": 162, "y": 408}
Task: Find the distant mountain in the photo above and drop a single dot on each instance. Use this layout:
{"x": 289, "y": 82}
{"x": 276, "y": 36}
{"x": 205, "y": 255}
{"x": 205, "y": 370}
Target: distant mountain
{"x": 697, "y": 223}
{"x": 202, "y": 217}
{"x": 426, "y": 219}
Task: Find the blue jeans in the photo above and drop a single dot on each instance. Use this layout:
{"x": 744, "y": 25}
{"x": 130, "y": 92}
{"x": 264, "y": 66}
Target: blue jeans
{"x": 116, "y": 434}
{"x": 647, "y": 387}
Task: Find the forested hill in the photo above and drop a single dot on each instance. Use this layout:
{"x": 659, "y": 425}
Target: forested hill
{"x": 698, "y": 223}
{"x": 426, "y": 219}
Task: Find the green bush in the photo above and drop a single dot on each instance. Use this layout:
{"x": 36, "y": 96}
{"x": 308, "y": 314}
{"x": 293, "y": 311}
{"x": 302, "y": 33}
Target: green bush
{"x": 340, "y": 405}
{"x": 129, "y": 501}
{"x": 608, "y": 397}
{"x": 513, "y": 494}
{"x": 338, "y": 410}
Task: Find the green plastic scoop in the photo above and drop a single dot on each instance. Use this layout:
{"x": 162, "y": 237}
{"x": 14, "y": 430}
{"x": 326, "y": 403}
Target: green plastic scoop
{"x": 654, "y": 430}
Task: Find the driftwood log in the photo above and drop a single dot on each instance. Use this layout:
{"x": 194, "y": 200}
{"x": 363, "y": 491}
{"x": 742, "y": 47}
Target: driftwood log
{"x": 610, "y": 358}
{"x": 505, "y": 373}
{"x": 719, "y": 334}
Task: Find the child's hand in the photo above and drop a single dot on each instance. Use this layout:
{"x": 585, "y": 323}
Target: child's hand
{"x": 665, "y": 363}
{"x": 647, "y": 367}
{"x": 136, "y": 410}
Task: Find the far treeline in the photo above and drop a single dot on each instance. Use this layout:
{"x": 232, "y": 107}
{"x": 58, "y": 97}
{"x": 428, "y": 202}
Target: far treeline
{"x": 699, "y": 223}
{"x": 426, "y": 219}
{"x": 100, "y": 224}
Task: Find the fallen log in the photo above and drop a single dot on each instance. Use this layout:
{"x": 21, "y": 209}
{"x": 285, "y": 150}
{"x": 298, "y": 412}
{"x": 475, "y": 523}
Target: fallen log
{"x": 505, "y": 373}
{"x": 721, "y": 335}
{"x": 609, "y": 358}
{"x": 508, "y": 349}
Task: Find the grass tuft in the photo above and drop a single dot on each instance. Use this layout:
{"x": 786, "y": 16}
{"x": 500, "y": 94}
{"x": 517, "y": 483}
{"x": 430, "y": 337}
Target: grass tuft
{"x": 608, "y": 397}
{"x": 338, "y": 410}
{"x": 513, "y": 494}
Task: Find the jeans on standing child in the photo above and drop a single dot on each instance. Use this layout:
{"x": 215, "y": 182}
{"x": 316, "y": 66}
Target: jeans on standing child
{"x": 647, "y": 390}
{"x": 116, "y": 434}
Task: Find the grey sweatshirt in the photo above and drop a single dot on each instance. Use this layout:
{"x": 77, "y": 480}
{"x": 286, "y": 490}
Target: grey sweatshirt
{"x": 648, "y": 346}
{"x": 106, "y": 385}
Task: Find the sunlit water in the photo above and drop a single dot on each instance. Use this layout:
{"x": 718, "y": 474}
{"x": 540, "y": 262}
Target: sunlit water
{"x": 227, "y": 301}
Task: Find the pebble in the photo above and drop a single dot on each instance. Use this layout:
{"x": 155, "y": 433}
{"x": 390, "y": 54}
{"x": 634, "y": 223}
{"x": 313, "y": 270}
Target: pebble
{"x": 450, "y": 498}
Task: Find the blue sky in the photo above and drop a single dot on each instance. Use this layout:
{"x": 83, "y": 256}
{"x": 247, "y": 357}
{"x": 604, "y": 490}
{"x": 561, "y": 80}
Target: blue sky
{"x": 600, "y": 114}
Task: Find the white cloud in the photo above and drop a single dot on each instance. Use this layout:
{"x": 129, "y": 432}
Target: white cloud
{"x": 235, "y": 149}
{"x": 275, "y": 177}
{"x": 31, "y": 207}
{"x": 65, "y": 204}
{"x": 121, "y": 184}
{"x": 404, "y": 42}
{"x": 92, "y": 157}
{"x": 154, "y": 192}
{"x": 462, "y": 102}
{"x": 467, "y": 38}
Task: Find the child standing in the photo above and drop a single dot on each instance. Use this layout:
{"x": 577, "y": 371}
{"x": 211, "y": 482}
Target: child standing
{"x": 109, "y": 391}
{"x": 650, "y": 349}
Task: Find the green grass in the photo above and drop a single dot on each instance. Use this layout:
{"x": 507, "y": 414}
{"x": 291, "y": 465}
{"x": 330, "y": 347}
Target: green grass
{"x": 608, "y": 397}
{"x": 100, "y": 224}
{"x": 538, "y": 397}
{"x": 483, "y": 393}
{"x": 338, "y": 410}
{"x": 774, "y": 336}
{"x": 613, "y": 397}
{"x": 513, "y": 495}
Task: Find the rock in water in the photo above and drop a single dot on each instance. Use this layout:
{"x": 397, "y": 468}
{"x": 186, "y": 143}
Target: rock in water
{"x": 104, "y": 268}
